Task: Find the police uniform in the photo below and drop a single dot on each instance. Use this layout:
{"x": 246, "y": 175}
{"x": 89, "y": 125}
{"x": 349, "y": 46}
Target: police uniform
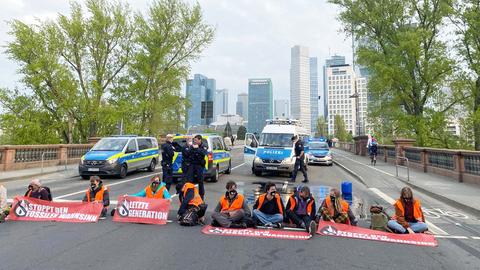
{"x": 299, "y": 162}
{"x": 195, "y": 173}
{"x": 167, "y": 159}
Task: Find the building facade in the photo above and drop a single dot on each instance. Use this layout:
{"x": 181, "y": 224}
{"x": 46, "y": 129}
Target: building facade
{"x": 335, "y": 60}
{"x": 220, "y": 102}
{"x": 260, "y": 103}
{"x": 300, "y": 86}
{"x": 242, "y": 105}
{"x": 313, "y": 93}
{"x": 281, "y": 109}
{"x": 200, "y": 93}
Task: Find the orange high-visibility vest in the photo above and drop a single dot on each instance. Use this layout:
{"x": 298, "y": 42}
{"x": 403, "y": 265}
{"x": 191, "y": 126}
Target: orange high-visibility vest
{"x": 261, "y": 199}
{"x": 197, "y": 200}
{"x": 98, "y": 195}
{"x": 158, "y": 195}
{"x": 293, "y": 204}
{"x": 328, "y": 204}
{"x": 237, "y": 204}
{"x": 417, "y": 211}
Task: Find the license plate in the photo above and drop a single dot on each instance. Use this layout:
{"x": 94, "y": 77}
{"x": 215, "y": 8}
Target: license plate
{"x": 93, "y": 169}
{"x": 272, "y": 168}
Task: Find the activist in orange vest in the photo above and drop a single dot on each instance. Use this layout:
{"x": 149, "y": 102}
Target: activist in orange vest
{"x": 335, "y": 209}
{"x": 300, "y": 209}
{"x": 191, "y": 202}
{"x": 268, "y": 209}
{"x": 156, "y": 190}
{"x": 231, "y": 209}
{"x": 408, "y": 214}
{"x": 98, "y": 193}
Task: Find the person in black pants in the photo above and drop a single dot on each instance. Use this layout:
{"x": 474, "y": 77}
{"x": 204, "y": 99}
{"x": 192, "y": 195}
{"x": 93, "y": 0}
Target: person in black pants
{"x": 300, "y": 160}
{"x": 301, "y": 208}
{"x": 167, "y": 161}
{"x": 197, "y": 155}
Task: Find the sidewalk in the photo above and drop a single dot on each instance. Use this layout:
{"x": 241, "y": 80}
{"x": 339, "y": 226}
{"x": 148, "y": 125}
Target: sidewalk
{"x": 447, "y": 190}
{"x": 70, "y": 171}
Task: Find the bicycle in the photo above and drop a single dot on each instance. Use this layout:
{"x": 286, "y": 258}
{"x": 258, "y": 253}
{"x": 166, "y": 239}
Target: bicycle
{"x": 373, "y": 159}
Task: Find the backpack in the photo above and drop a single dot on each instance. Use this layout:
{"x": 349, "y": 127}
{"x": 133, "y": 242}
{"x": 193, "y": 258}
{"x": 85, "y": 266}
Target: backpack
{"x": 49, "y": 193}
{"x": 189, "y": 218}
{"x": 379, "y": 219}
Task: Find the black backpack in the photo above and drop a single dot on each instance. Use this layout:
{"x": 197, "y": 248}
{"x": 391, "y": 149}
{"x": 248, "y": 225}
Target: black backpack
{"x": 49, "y": 193}
{"x": 189, "y": 218}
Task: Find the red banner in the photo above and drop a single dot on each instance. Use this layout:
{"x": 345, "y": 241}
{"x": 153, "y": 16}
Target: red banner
{"x": 142, "y": 210}
{"x": 260, "y": 233}
{"x": 342, "y": 230}
{"x": 31, "y": 209}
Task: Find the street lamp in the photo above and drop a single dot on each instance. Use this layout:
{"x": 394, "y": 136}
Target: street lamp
{"x": 357, "y": 120}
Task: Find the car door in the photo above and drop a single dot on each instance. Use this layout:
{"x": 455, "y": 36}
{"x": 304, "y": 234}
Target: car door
{"x": 143, "y": 145}
{"x": 249, "y": 148}
{"x": 131, "y": 154}
{"x": 216, "y": 152}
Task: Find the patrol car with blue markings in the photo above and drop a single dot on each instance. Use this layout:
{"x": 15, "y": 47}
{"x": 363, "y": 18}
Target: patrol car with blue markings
{"x": 217, "y": 161}
{"x": 118, "y": 155}
{"x": 274, "y": 150}
{"x": 318, "y": 152}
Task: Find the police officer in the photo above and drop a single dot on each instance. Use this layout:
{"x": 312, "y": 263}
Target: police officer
{"x": 197, "y": 155}
{"x": 300, "y": 159}
{"x": 186, "y": 161}
{"x": 167, "y": 159}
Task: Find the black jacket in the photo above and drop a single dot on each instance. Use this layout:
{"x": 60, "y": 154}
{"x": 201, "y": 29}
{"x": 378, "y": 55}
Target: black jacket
{"x": 167, "y": 153}
{"x": 197, "y": 155}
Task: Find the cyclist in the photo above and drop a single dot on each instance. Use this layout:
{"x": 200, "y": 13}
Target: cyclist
{"x": 372, "y": 151}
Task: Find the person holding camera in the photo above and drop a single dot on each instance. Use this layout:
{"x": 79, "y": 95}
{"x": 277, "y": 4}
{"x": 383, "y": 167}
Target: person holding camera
{"x": 268, "y": 210}
{"x": 231, "y": 209}
{"x": 197, "y": 154}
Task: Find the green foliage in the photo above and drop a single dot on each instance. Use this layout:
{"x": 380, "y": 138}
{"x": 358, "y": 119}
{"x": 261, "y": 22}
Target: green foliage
{"x": 340, "y": 131}
{"x": 242, "y": 130}
{"x": 322, "y": 127}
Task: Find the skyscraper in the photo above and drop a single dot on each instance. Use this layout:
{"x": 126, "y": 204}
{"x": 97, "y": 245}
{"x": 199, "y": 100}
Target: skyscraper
{"x": 313, "y": 93}
{"x": 220, "y": 102}
{"x": 336, "y": 60}
{"x": 260, "y": 103}
{"x": 300, "y": 86}
{"x": 281, "y": 108}
{"x": 242, "y": 105}
{"x": 200, "y": 93}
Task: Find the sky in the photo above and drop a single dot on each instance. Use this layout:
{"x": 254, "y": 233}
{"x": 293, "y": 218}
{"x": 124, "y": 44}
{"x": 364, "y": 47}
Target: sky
{"x": 253, "y": 39}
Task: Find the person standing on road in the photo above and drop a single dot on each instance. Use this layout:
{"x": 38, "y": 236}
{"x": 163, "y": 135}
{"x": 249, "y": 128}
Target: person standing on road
{"x": 408, "y": 214}
{"x": 35, "y": 190}
{"x": 197, "y": 154}
{"x": 268, "y": 210}
{"x": 98, "y": 193}
{"x": 191, "y": 204}
{"x": 231, "y": 209}
{"x": 168, "y": 151}
{"x": 156, "y": 190}
{"x": 335, "y": 209}
{"x": 186, "y": 161}
{"x": 301, "y": 210}
{"x": 4, "y": 209}
{"x": 300, "y": 159}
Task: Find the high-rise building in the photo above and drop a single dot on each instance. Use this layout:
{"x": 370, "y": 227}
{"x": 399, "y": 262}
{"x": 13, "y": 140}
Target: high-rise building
{"x": 300, "y": 86}
{"x": 260, "y": 103}
{"x": 281, "y": 108}
{"x": 200, "y": 93}
{"x": 220, "y": 102}
{"x": 362, "y": 100}
{"x": 341, "y": 101}
{"x": 335, "y": 60}
{"x": 242, "y": 105}
{"x": 313, "y": 93}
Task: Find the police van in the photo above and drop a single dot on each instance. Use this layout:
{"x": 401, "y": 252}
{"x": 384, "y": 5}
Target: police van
{"x": 274, "y": 151}
{"x": 318, "y": 152}
{"x": 118, "y": 155}
{"x": 218, "y": 159}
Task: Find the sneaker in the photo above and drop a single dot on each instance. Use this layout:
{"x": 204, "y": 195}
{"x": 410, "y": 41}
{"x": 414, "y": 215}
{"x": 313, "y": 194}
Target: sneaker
{"x": 312, "y": 228}
{"x": 278, "y": 225}
{"x": 305, "y": 181}
{"x": 303, "y": 226}
{"x": 113, "y": 212}
{"x": 102, "y": 217}
{"x": 268, "y": 225}
{"x": 201, "y": 221}
{"x": 238, "y": 225}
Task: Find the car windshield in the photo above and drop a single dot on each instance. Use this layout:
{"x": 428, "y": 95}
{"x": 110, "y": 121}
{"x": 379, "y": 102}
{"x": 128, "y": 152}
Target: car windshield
{"x": 110, "y": 144}
{"x": 318, "y": 146}
{"x": 179, "y": 143}
{"x": 276, "y": 139}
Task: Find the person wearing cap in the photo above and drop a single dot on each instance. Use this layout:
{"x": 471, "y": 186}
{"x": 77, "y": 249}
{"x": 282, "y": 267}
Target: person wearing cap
{"x": 156, "y": 190}
{"x": 168, "y": 151}
{"x": 300, "y": 160}
{"x": 231, "y": 209}
{"x": 4, "y": 209}
{"x": 98, "y": 193}
{"x": 35, "y": 190}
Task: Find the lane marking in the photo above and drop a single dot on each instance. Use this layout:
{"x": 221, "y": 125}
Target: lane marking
{"x": 371, "y": 167}
{"x": 238, "y": 166}
{"x": 476, "y": 237}
{"x": 432, "y": 227}
{"x": 452, "y": 236}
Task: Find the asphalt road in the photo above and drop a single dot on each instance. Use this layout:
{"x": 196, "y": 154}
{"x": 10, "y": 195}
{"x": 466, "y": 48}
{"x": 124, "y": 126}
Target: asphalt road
{"x": 108, "y": 245}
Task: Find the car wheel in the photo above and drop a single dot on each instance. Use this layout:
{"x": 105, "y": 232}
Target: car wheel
{"x": 258, "y": 173}
{"x": 85, "y": 177}
{"x": 229, "y": 170}
{"x": 152, "y": 166}
{"x": 123, "y": 171}
{"x": 214, "y": 178}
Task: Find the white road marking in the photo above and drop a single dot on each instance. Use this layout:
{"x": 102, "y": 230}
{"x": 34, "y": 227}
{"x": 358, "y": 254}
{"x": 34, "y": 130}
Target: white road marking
{"x": 476, "y": 237}
{"x": 238, "y": 166}
{"x": 452, "y": 236}
{"x": 431, "y": 227}
{"x": 371, "y": 167}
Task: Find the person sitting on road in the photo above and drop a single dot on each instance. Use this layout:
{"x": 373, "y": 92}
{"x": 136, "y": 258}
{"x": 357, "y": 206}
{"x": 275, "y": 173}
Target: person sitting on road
{"x": 4, "y": 209}
{"x": 408, "y": 214}
{"x": 301, "y": 209}
{"x": 98, "y": 193}
{"x": 156, "y": 190}
{"x": 268, "y": 210}
{"x": 35, "y": 190}
{"x": 192, "y": 208}
{"x": 335, "y": 209}
{"x": 231, "y": 209}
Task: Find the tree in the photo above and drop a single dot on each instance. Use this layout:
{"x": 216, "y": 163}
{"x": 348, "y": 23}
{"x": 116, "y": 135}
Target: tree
{"x": 408, "y": 61}
{"x": 340, "y": 130}
{"x": 242, "y": 130}
{"x": 227, "y": 132}
{"x": 322, "y": 127}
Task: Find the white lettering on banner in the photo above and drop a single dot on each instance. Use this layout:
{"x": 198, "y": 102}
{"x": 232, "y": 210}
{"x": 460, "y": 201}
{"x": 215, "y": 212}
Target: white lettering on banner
{"x": 380, "y": 237}
{"x": 83, "y": 217}
{"x": 147, "y": 214}
{"x": 256, "y": 233}
{"x": 37, "y": 214}
{"x": 138, "y": 205}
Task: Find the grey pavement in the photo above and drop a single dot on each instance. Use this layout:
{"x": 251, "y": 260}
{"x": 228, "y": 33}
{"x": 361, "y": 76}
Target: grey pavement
{"x": 70, "y": 170}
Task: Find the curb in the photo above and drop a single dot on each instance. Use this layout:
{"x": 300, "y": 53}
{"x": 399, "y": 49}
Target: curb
{"x": 35, "y": 175}
{"x": 352, "y": 173}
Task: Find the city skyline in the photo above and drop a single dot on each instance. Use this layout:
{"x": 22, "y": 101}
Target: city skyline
{"x": 260, "y": 103}
{"x": 300, "y": 95}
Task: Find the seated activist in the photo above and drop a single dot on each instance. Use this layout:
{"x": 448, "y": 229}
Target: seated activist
{"x": 156, "y": 190}
{"x": 192, "y": 208}
{"x": 4, "y": 208}
{"x": 35, "y": 190}
{"x": 335, "y": 209}
{"x": 98, "y": 193}
{"x": 409, "y": 216}
{"x": 301, "y": 209}
{"x": 231, "y": 209}
{"x": 268, "y": 210}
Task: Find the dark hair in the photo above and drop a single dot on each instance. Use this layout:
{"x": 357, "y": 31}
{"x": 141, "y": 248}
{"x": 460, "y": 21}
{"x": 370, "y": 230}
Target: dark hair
{"x": 305, "y": 189}
{"x": 269, "y": 185}
{"x": 95, "y": 178}
{"x": 198, "y": 137}
{"x": 294, "y": 137}
{"x": 230, "y": 184}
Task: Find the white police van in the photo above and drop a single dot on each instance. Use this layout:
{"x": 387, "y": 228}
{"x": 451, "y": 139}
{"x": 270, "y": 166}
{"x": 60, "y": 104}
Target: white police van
{"x": 274, "y": 151}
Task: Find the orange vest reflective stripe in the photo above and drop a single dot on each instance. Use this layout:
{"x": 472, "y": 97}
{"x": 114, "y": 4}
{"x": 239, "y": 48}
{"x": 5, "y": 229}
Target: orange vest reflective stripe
{"x": 197, "y": 200}
{"x": 293, "y": 204}
{"x": 29, "y": 193}
{"x": 158, "y": 195}
{"x": 237, "y": 204}
{"x": 329, "y": 205}
{"x": 261, "y": 199}
{"x": 98, "y": 195}
{"x": 417, "y": 211}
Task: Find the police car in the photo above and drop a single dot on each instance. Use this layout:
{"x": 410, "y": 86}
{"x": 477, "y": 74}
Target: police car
{"x": 218, "y": 159}
{"x": 118, "y": 155}
{"x": 318, "y": 152}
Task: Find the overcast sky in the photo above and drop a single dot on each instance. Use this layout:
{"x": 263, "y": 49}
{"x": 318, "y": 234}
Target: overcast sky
{"x": 253, "y": 38}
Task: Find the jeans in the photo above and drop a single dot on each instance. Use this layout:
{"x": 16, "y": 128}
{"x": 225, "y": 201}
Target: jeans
{"x": 266, "y": 219}
{"x": 417, "y": 227}
{"x": 225, "y": 221}
{"x": 299, "y": 163}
